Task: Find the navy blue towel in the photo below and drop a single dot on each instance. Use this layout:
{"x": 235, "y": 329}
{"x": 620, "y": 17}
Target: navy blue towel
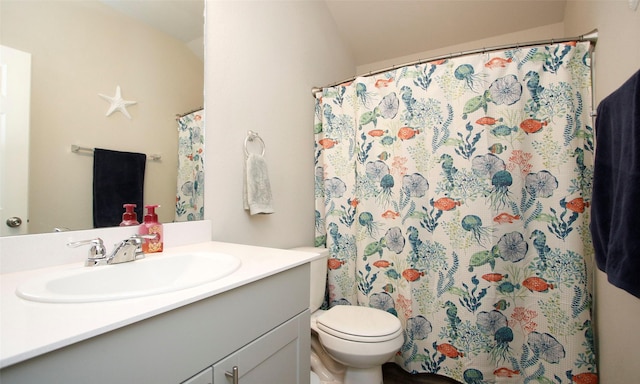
{"x": 118, "y": 178}
{"x": 615, "y": 206}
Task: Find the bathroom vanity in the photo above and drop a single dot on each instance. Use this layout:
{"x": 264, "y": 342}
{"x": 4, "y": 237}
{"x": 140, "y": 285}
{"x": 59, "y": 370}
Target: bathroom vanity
{"x": 256, "y": 319}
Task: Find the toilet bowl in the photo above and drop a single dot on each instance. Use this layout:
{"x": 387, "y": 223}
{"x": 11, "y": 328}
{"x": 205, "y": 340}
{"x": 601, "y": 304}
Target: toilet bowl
{"x": 349, "y": 343}
{"x": 360, "y": 338}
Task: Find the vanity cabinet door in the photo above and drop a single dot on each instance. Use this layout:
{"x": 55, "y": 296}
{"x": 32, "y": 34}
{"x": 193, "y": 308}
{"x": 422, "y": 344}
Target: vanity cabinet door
{"x": 204, "y": 377}
{"x": 271, "y": 359}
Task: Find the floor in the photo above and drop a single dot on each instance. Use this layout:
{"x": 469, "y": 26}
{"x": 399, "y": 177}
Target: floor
{"x": 393, "y": 374}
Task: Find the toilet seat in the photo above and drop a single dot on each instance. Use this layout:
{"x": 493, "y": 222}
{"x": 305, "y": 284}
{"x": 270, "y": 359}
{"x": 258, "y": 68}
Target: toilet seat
{"x": 361, "y": 324}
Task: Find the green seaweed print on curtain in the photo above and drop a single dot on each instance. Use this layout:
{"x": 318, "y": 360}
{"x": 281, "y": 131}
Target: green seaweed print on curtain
{"x": 455, "y": 195}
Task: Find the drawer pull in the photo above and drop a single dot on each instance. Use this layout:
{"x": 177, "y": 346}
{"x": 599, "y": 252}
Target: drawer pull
{"x": 233, "y": 374}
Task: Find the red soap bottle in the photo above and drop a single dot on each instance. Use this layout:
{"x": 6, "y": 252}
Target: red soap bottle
{"x": 151, "y": 226}
{"x": 129, "y": 216}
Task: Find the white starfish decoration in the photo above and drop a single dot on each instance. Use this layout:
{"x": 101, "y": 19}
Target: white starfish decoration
{"x": 117, "y": 103}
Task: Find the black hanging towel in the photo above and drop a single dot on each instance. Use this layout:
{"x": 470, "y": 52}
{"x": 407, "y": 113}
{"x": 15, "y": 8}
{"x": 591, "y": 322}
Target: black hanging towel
{"x": 615, "y": 205}
{"x": 118, "y": 178}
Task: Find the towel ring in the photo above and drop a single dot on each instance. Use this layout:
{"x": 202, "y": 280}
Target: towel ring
{"x": 250, "y": 137}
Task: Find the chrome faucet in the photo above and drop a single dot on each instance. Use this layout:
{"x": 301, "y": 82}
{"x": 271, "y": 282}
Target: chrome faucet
{"x": 127, "y": 250}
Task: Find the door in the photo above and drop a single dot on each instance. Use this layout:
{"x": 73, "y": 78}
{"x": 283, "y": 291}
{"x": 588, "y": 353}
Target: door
{"x": 271, "y": 359}
{"x": 15, "y": 96}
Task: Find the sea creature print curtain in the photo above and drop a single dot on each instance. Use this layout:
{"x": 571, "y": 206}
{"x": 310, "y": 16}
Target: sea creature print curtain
{"x": 455, "y": 195}
{"x": 190, "y": 193}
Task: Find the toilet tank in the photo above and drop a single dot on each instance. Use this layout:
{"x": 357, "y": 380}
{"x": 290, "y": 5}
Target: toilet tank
{"x": 318, "y": 278}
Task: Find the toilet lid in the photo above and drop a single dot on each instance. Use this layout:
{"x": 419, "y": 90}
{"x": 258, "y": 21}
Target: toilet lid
{"x": 358, "y": 323}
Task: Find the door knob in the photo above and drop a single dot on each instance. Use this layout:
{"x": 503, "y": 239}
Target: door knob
{"x": 14, "y": 222}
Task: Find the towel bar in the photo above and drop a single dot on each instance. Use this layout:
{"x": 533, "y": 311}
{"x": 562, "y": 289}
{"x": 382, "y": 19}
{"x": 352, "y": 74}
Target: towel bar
{"x": 77, "y": 148}
{"x": 251, "y": 135}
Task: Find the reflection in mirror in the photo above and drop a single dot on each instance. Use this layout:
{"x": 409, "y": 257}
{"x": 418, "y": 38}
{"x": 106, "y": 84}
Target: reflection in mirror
{"x": 79, "y": 50}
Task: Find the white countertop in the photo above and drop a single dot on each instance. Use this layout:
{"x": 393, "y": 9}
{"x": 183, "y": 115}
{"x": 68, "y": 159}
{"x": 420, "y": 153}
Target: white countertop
{"x": 29, "y": 329}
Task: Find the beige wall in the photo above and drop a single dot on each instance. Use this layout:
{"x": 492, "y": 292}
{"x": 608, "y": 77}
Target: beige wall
{"x": 617, "y": 57}
{"x": 81, "y": 49}
{"x": 262, "y": 59}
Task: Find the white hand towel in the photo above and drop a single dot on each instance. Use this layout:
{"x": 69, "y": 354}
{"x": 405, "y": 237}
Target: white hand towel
{"x": 257, "y": 188}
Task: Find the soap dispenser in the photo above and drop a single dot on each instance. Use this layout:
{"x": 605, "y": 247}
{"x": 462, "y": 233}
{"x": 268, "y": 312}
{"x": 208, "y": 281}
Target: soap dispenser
{"x": 151, "y": 226}
{"x": 129, "y": 217}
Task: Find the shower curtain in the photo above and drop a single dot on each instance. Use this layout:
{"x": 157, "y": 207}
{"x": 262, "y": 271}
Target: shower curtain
{"x": 190, "y": 194}
{"x": 455, "y": 195}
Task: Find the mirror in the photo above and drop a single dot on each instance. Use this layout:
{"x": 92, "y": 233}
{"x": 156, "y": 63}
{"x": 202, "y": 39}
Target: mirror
{"x": 80, "y": 49}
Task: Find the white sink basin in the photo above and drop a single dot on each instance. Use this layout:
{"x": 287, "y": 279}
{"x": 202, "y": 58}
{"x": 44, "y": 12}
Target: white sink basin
{"x": 149, "y": 276}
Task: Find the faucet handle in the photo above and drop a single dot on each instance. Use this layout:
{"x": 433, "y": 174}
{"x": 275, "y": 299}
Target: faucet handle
{"x": 137, "y": 241}
{"x": 138, "y": 238}
{"x": 97, "y": 250}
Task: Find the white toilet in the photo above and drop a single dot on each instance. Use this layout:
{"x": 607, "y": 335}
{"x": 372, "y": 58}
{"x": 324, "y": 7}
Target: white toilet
{"x": 349, "y": 344}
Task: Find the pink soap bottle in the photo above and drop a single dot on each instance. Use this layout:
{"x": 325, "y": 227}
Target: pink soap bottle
{"x": 151, "y": 226}
{"x": 129, "y": 216}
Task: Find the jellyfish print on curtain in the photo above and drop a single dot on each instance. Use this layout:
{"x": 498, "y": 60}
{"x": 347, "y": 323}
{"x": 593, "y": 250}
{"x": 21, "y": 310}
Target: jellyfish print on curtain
{"x": 190, "y": 194}
{"x": 455, "y": 195}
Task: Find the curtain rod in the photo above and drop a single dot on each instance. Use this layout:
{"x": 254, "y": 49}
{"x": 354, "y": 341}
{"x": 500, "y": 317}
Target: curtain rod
{"x": 591, "y": 37}
{"x": 180, "y": 115}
